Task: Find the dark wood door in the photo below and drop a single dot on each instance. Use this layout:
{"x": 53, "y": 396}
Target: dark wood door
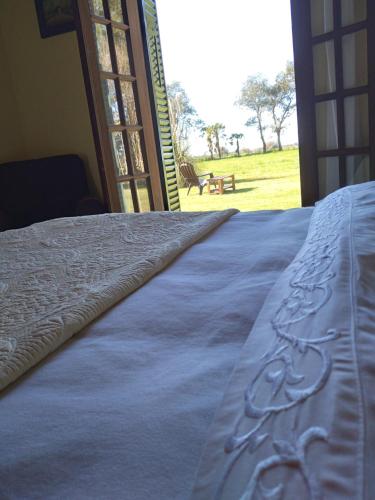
{"x": 335, "y": 84}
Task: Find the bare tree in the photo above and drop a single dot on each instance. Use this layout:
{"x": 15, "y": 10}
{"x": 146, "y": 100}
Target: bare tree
{"x": 235, "y": 138}
{"x": 183, "y": 117}
{"x": 254, "y": 96}
{"x": 281, "y": 97}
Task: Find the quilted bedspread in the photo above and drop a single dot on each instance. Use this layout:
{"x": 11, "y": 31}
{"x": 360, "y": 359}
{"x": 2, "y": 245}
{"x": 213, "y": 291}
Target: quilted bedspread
{"x": 59, "y": 275}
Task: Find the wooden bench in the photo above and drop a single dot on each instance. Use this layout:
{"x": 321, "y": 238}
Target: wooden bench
{"x": 222, "y": 183}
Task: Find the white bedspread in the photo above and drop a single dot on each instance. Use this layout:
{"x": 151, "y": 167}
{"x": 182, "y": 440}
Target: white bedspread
{"x": 122, "y": 411}
{"x": 57, "y": 276}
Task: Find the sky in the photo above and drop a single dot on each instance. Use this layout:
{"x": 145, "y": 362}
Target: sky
{"x": 212, "y": 46}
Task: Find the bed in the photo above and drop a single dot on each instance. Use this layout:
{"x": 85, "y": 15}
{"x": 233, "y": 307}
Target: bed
{"x": 242, "y": 369}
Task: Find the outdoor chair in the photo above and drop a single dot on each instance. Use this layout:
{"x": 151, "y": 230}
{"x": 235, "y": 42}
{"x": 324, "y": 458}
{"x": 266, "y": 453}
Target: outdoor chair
{"x": 192, "y": 179}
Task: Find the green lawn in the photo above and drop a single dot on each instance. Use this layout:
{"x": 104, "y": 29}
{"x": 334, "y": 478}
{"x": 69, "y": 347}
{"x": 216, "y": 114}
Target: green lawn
{"x": 263, "y": 182}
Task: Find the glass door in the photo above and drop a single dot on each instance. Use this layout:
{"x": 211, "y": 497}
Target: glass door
{"x": 335, "y": 93}
{"x": 127, "y": 140}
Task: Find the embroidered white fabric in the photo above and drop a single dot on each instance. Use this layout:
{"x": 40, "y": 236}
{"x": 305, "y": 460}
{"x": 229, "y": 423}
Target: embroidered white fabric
{"x": 59, "y": 275}
{"x": 293, "y": 420}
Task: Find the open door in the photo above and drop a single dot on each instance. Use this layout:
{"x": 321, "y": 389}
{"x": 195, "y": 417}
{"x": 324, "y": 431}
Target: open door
{"x": 335, "y": 83}
{"x": 136, "y": 166}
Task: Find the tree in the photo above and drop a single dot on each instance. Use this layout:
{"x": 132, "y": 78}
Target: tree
{"x": 235, "y": 138}
{"x": 254, "y": 96}
{"x": 208, "y": 132}
{"x": 281, "y": 97}
{"x": 218, "y": 132}
{"x": 183, "y": 117}
{"x": 214, "y": 133}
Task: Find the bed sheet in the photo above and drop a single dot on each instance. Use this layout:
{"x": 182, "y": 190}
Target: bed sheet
{"x": 123, "y": 410}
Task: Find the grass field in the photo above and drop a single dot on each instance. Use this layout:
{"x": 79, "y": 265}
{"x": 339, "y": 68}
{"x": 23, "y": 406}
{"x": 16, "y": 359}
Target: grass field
{"x": 263, "y": 182}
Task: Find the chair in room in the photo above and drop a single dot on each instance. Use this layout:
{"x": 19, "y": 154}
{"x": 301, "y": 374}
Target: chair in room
{"x": 41, "y": 189}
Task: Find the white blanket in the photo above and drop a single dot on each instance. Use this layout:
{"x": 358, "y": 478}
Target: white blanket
{"x": 57, "y": 276}
{"x": 122, "y": 411}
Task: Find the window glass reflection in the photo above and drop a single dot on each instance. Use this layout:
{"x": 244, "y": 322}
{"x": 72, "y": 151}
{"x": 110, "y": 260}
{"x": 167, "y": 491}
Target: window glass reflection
{"x": 143, "y": 195}
{"x": 357, "y": 169}
{"x": 329, "y": 176}
{"x": 326, "y": 125}
{"x": 119, "y": 155}
{"x": 130, "y": 108}
{"x": 102, "y": 47}
{"x": 122, "y": 55}
{"x": 136, "y": 152}
{"x": 356, "y": 121}
{"x": 110, "y": 101}
{"x": 321, "y": 16}
{"x": 125, "y": 195}
{"x": 353, "y": 11}
{"x": 354, "y": 54}
{"x": 324, "y": 68}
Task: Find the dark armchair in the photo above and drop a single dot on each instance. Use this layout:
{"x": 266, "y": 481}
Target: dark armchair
{"x": 48, "y": 188}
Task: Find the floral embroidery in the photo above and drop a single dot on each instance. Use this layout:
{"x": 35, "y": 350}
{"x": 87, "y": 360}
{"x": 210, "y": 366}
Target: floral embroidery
{"x": 309, "y": 291}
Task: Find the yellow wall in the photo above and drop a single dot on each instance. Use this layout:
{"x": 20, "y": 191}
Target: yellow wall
{"x": 48, "y": 88}
{"x": 11, "y": 134}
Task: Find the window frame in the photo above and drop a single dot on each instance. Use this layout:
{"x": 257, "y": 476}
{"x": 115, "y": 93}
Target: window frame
{"x": 304, "y": 41}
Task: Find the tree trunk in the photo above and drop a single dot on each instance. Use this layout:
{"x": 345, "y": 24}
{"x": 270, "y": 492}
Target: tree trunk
{"x": 260, "y": 127}
{"x": 210, "y": 148}
{"x": 218, "y": 146}
{"x": 238, "y": 148}
{"x": 264, "y": 142}
{"x": 278, "y": 132}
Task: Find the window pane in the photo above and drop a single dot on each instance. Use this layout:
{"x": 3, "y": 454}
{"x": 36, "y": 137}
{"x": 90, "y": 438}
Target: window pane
{"x": 102, "y": 47}
{"x": 110, "y": 100}
{"x": 329, "y": 175}
{"x": 321, "y": 16}
{"x": 130, "y": 108}
{"x": 116, "y": 11}
{"x": 122, "y": 52}
{"x": 143, "y": 195}
{"x": 119, "y": 155}
{"x": 96, "y": 7}
{"x": 357, "y": 169}
{"x": 136, "y": 152}
{"x": 353, "y": 11}
{"x": 354, "y": 52}
{"x": 125, "y": 195}
{"x": 324, "y": 68}
{"x": 356, "y": 121}
{"x": 326, "y": 125}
